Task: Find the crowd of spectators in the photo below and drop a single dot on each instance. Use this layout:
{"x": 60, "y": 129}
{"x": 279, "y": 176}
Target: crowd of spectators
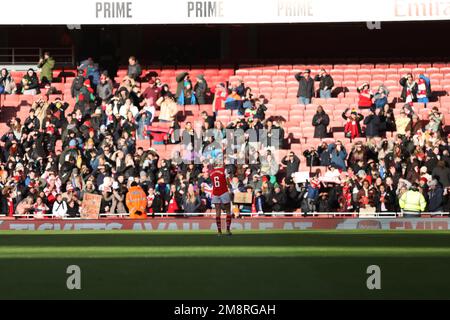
{"x": 99, "y": 153}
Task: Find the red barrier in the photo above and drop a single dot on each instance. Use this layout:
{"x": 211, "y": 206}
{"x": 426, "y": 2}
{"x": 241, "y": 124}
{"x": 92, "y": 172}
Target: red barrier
{"x": 189, "y": 224}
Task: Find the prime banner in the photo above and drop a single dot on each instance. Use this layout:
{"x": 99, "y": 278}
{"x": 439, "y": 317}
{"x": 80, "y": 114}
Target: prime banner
{"x": 220, "y": 12}
{"x": 193, "y": 224}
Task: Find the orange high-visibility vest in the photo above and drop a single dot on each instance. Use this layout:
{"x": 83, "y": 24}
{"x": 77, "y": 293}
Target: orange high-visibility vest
{"x": 136, "y": 200}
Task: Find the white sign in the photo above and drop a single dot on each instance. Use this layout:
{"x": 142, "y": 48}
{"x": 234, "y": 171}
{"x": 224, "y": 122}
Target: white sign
{"x": 300, "y": 177}
{"x": 222, "y": 11}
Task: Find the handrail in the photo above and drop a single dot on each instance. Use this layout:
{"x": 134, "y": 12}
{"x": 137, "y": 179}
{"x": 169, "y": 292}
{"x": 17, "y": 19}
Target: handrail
{"x": 30, "y": 55}
{"x": 377, "y": 215}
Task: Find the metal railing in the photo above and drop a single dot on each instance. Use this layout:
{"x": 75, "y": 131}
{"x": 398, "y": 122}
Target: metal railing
{"x": 377, "y": 215}
{"x": 64, "y": 56}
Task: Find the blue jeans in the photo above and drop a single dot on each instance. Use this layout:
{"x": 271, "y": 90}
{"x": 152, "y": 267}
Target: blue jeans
{"x": 325, "y": 94}
{"x": 303, "y": 100}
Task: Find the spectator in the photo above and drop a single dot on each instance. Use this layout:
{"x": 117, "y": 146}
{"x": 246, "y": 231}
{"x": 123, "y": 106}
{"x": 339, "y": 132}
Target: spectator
{"x": 169, "y": 108}
{"x": 30, "y": 83}
{"x": 90, "y": 71}
{"x": 260, "y": 201}
{"x": 365, "y": 96}
{"x": 8, "y": 201}
{"x": 46, "y": 64}
{"x": 134, "y": 68}
{"x": 436, "y": 118}
{"x": 292, "y": 163}
{"x": 25, "y": 207}
{"x": 312, "y": 194}
{"x": 402, "y": 123}
{"x": 152, "y": 93}
{"x": 305, "y": 87}
{"x": 105, "y": 87}
{"x": 260, "y": 108}
{"x": 352, "y": 128}
{"x": 385, "y": 199}
{"x": 423, "y": 89}
{"x": 312, "y": 157}
{"x": 415, "y": 125}
{"x": 278, "y": 200}
{"x": 373, "y": 123}
{"x": 387, "y": 119}
{"x": 7, "y": 84}
{"x": 381, "y": 97}
{"x": 31, "y": 123}
{"x": 233, "y": 100}
{"x": 338, "y": 154}
{"x": 435, "y": 196}
{"x": 269, "y": 166}
{"x": 73, "y": 208}
{"x": 326, "y": 84}
{"x": 409, "y": 90}
{"x": 366, "y": 197}
{"x": 59, "y": 209}
{"x": 207, "y": 119}
{"x": 77, "y": 84}
{"x": 240, "y": 88}
{"x": 184, "y": 89}
{"x": 201, "y": 89}
{"x": 320, "y": 122}
{"x": 40, "y": 209}
{"x": 220, "y": 95}
{"x": 324, "y": 155}
{"x": 191, "y": 201}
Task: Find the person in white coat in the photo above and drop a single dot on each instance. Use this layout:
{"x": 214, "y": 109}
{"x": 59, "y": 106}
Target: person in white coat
{"x": 59, "y": 209}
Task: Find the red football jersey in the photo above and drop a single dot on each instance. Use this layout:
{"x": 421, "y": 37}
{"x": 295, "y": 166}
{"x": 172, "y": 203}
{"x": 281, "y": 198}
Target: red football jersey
{"x": 219, "y": 181}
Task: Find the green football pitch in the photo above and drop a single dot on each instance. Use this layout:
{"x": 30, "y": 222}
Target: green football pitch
{"x": 248, "y": 265}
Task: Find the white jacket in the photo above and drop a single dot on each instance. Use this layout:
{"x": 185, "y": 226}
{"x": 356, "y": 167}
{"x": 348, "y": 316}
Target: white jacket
{"x": 59, "y": 209}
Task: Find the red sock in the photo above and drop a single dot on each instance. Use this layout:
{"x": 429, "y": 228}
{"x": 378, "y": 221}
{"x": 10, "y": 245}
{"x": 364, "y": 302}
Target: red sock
{"x": 219, "y": 223}
{"x": 228, "y": 222}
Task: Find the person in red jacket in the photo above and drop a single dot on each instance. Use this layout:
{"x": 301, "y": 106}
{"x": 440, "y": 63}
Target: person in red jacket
{"x": 365, "y": 96}
{"x": 173, "y": 206}
{"x": 352, "y": 128}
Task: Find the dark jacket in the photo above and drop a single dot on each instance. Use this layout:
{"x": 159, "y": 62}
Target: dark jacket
{"x": 305, "y": 87}
{"x": 33, "y": 82}
{"x": 134, "y": 71}
{"x": 389, "y": 201}
{"x": 200, "y": 90}
{"x": 291, "y": 166}
{"x": 325, "y": 81}
{"x": 260, "y": 203}
{"x": 281, "y": 201}
{"x": 403, "y": 82}
{"x": 31, "y": 124}
{"x": 324, "y": 156}
{"x": 312, "y": 158}
{"x": 77, "y": 84}
{"x": 320, "y": 122}
{"x": 373, "y": 123}
{"x": 436, "y": 201}
{"x": 180, "y": 83}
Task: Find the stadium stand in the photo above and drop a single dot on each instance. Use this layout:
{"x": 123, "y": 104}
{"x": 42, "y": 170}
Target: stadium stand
{"x": 421, "y": 163}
